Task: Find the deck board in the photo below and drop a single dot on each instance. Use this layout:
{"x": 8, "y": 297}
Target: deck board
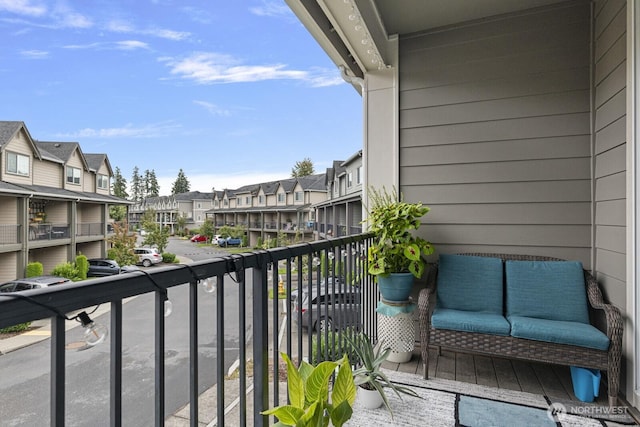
{"x": 538, "y": 378}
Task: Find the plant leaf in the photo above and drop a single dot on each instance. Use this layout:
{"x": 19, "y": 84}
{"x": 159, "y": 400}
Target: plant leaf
{"x": 344, "y": 388}
{"x": 317, "y": 385}
{"x": 287, "y": 414}
{"x": 341, "y": 414}
{"x": 295, "y": 384}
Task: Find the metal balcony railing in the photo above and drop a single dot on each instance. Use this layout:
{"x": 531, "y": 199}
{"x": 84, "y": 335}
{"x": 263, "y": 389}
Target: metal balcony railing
{"x": 9, "y": 234}
{"x": 90, "y": 229}
{"x": 48, "y": 231}
{"x": 327, "y": 267}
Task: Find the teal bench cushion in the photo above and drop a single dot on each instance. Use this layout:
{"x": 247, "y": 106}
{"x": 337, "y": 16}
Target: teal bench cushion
{"x": 560, "y": 332}
{"x": 470, "y": 283}
{"x": 470, "y": 321}
{"x": 553, "y": 290}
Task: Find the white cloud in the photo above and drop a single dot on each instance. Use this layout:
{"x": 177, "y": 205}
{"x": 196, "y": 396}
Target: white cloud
{"x": 131, "y": 45}
{"x": 205, "y": 182}
{"x": 24, "y": 7}
{"x": 35, "y": 54}
{"x": 128, "y": 131}
{"x": 273, "y": 9}
{"x": 213, "y": 109}
{"x": 128, "y": 28}
{"x": 211, "y": 68}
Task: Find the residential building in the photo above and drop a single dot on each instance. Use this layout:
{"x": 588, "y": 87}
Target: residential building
{"x": 269, "y": 208}
{"x": 54, "y": 201}
{"x": 341, "y": 214}
{"x": 192, "y": 206}
{"x": 516, "y": 122}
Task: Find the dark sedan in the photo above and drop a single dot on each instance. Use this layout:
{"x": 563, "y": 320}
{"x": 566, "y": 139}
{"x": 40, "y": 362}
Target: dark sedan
{"x": 100, "y": 267}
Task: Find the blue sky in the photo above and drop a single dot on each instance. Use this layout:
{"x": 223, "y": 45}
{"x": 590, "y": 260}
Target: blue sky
{"x": 233, "y": 92}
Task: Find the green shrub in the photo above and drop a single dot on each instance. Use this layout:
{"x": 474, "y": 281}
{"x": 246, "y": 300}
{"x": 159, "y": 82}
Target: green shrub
{"x": 334, "y": 346}
{"x": 168, "y": 257}
{"x": 15, "y": 328}
{"x": 66, "y": 269}
{"x": 82, "y": 265}
{"x": 35, "y": 269}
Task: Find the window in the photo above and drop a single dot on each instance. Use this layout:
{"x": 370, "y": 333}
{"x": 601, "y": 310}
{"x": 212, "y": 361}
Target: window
{"x": 281, "y": 197}
{"x": 199, "y": 206}
{"x": 239, "y": 201}
{"x": 103, "y": 181}
{"x": 261, "y": 199}
{"x": 298, "y": 196}
{"x": 73, "y": 175}
{"x": 359, "y": 175}
{"x": 349, "y": 179}
{"x": 17, "y": 164}
{"x": 247, "y": 200}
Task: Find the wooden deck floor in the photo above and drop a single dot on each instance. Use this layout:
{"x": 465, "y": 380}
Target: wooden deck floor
{"x": 539, "y": 378}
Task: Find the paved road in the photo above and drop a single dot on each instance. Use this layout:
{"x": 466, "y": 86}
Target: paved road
{"x": 24, "y": 374}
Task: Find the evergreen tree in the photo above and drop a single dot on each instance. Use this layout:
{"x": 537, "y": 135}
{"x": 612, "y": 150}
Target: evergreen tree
{"x": 119, "y": 186}
{"x": 153, "y": 186}
{"x": 137, "y": 186}
{"x": 181, "y": 184}
{"x": 303, "y": 168}
{"x": 145, "y": 183}
{"x": 118, "y": 189}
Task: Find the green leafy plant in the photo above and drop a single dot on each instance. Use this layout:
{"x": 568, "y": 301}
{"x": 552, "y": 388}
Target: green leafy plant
{"x": 395, "y": 249}
{"x": 67, "y": 270}
{"x": 82, "y": 265}
{"x": 312, "y": 402}
{"x": 168, "y": 257}
{"x": 332, "y": 345}
{"x": 35, "y": 269}
{"x": 368, "y": 373}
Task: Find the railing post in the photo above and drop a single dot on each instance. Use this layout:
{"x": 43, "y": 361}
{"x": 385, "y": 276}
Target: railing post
{"x": 57, "y": 371}
{"x": 260, "y": 346}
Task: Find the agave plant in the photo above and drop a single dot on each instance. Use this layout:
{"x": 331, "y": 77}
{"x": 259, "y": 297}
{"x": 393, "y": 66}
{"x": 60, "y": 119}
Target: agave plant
{"x": 369, "y": 374}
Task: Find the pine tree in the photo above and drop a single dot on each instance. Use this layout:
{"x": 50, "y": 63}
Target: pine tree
{"x": 153, "y": 186}
{"x": 137, "y": 189}
{"x": 119, "y": 186}
{"x": 146, "y": 182}
{"x": 302, "y": 168}
{"x": 181, "y": 184}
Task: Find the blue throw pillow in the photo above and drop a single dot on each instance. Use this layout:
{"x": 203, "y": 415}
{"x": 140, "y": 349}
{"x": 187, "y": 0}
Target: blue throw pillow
{"x": 470, "y": 283}
{"x": 553, "y": 290}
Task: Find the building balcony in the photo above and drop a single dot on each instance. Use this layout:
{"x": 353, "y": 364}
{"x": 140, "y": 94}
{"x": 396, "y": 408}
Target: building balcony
{"x": 255, "y": 327}
{"x": 90, "y": 229}
{"x": 47, "y": 231}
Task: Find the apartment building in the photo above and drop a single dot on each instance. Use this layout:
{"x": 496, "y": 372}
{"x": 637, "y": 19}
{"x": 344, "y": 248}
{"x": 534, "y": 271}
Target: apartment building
{"x": 341, "y": 213}
{"x": 54, "y": 201}
{"x": 269, "y": 208}
{"x": 192, "y": 206}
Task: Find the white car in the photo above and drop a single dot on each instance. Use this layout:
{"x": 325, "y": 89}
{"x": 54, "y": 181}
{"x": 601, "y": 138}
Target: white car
{"x": 214, "y": 241}
{"x": 147, "y": 256}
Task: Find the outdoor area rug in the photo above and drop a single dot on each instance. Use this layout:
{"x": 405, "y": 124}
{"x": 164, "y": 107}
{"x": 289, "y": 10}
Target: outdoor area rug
{"x": 453, "y": 403}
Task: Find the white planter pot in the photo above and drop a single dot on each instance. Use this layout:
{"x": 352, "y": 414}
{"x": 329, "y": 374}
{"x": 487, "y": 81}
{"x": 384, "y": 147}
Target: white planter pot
{"x": 370, "y": 399}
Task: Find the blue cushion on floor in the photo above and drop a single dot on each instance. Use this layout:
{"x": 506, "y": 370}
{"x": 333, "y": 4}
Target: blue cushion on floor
{"x": 470, "y": 321}
{"x": 470, "y": 283}
{"x": 561, "y": 332}
{"x": 546, "y": 290}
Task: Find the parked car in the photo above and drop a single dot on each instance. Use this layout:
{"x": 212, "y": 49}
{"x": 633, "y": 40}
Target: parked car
{"x": 36, "y": 282}
{"x": 332, "y": 311}
{"x": 147, "y": 256}
{"x": 99, "y": 267}
{"x": 199, "y": 238}
{"x": 215, "y": 239}
{"x": 229, "y": 241}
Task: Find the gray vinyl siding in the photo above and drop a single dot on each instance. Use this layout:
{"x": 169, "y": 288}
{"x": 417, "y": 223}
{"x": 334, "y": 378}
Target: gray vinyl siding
{"x": 495, "y": 133}
{"x": 610, "y": 148}
{"x": 8, "y": 267}
{"x": 49, "y": 257}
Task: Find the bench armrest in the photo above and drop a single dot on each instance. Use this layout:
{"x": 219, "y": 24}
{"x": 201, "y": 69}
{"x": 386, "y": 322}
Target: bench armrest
{"x": 612, "y": 313}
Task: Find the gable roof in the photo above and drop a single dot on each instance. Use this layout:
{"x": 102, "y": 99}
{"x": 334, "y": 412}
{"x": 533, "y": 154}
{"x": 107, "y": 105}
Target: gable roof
{"x": 95, "y": 160}
{"x": 9, "y": 130}
{"x": 63, "y": 150}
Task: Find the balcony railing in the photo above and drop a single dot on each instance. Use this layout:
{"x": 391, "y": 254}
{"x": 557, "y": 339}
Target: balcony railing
{"x": 48, "y": 231}
{"x": 90, "y": 229}
{"x": 9, "y": 234}
{"x": 250, "y": 278}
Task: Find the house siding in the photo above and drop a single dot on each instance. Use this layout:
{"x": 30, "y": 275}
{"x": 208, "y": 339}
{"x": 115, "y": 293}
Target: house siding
{"x": 609, "y": 35}
{"x": 495, "y": 133}
{"x": 9, "y": 266}
{"x": 20, "y": 145}
{"x": 47, "y": 173}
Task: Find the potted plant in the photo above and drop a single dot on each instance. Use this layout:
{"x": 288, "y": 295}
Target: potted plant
{"x": 313, "y": 402}
{"x": 368, "y": 376}
{"x": 395, "y": 257}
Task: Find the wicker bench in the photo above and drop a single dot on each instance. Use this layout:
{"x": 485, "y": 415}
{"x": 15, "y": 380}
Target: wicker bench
{"x": 509, "y": 346}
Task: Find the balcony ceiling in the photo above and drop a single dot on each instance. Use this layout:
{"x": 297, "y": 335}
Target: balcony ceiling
{"x": 422, "y": 15}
